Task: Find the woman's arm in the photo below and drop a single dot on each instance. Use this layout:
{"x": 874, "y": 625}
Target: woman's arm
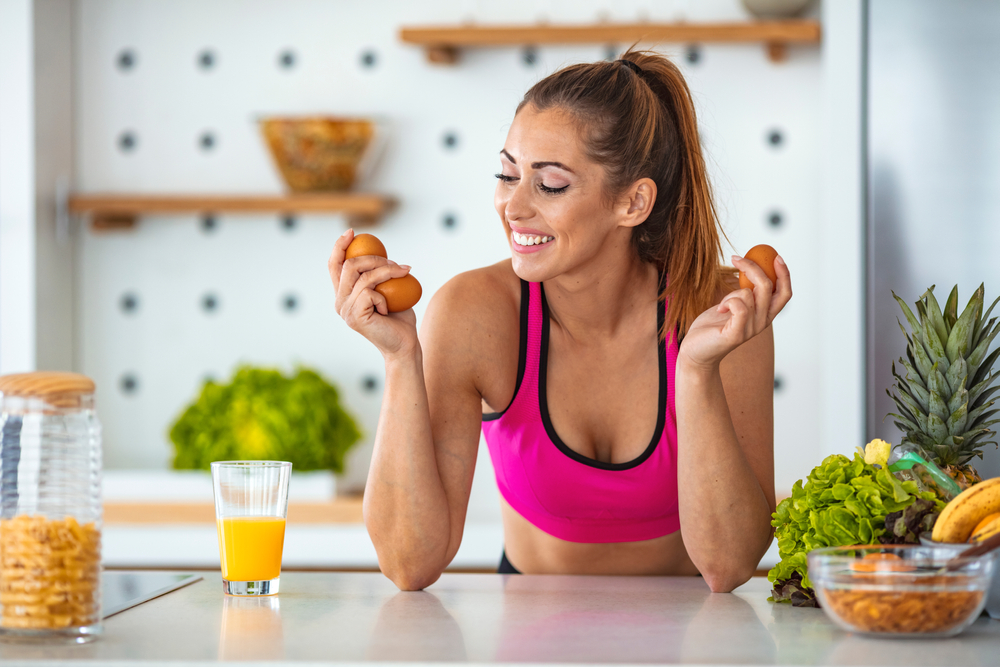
{"x": 421, "y": 472}
{"x": 725, "y": 375}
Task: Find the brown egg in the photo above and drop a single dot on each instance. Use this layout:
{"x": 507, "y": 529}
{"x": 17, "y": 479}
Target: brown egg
{"x": 400, "y": 293}
{"x": 365, "y": 244}
{"x": 763, "y": 256}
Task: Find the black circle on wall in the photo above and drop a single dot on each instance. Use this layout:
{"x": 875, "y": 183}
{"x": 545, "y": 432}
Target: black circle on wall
{"x": 369, "y": 59}
{"x": 209, "y": 223}
{"x": 611, "y": 52}
{"x": 369, "y": 383}
{"x": 129, "y": 384}
{"x": 692, "y": 54}
{"x": 127, "y": 141}
{"x": 129, "y": 303}
{"x": 776, "y": 219}
{"x": 206, "y": 59}
{"x": 529, "y": 56}
{"x": 449, "y": 220}
{"x": 290, "y": 303}
{"x": 126, "y": 60}
{"x": 286, "y": 59}
{"x": 450, "y": 140}
{"x": 778, "y": 382}
{"x": 289, "y": 222}
{"x": 209, "y": 303}
{"x": 206, "y": 141}
{"x": 775, "y": 138}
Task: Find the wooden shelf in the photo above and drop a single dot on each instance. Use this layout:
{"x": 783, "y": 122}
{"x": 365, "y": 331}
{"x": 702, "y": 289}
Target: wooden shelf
{"x": 341, "y": 510}
{"x": 443, "y": 43}
{"x": 118, "y": 211}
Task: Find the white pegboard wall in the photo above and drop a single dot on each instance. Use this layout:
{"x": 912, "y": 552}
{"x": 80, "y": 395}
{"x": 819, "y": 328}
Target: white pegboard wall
{"x": 142, "y": 74}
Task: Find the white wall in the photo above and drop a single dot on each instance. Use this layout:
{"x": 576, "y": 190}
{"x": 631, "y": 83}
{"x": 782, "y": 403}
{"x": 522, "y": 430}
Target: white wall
{"x": 17, "y": 188}
{"x": 36, "y": 125}
{"x": 250, "y": 263}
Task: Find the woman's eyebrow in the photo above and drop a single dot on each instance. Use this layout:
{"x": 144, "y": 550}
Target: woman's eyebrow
{"x": 537, "y": 165}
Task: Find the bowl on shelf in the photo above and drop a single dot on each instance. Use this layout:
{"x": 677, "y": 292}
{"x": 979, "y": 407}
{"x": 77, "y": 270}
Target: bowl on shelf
{"x": 993, "y": 595}
{"x": 899, "y": 591}
{"x": 321, "y": 153}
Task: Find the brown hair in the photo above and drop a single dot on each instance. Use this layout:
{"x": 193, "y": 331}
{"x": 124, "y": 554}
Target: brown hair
{"x": 640, "y": 123}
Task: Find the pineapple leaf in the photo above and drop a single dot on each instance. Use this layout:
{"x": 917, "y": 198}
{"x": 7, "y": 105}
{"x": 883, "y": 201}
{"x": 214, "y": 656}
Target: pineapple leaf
{"x": 905, "y": 424}
{"x": 983, "y": 397}
{"x": 951, "y": 308}
{"x": 909, "y": 408}
{"x": 914, "y": 322}
{"x": 959, "y": 398}
{"x": 920, "y": 438}
{"x": 934, "y": 315}
{"x": 983, "y": 346}
{"x": 937, "y": 408}
{"x": 985, "y": 367}
{"x": 935, "y": 425}
{"x": 912, "y": 376}
{"x": 956, "y": 422}
{"x": 957, "y": 375}
{"x": 961, "y": 334}
{"x": 915, "y": 389}
{"x": 924, "y": 364}
{"x": 937, "y": 383}
{"x": 934, "y": 347}
{"x": 987, "y": 316}
{"x": 979, "y": 420}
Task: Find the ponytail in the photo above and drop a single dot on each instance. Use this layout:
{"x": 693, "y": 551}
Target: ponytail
{"x": 641, "y": 123}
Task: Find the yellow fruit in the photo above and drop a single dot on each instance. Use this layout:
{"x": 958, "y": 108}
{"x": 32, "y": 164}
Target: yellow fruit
{"x": 986, "y": 529}
{"x": 966, "y": 510}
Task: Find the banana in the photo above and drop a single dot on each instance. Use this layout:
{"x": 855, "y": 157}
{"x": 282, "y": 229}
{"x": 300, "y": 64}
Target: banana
{"x": 966, "y": 510}
{"x": 987, "y": 531}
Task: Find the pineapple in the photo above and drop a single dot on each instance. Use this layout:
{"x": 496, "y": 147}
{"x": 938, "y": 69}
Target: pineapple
{"x": 944, "y": 399}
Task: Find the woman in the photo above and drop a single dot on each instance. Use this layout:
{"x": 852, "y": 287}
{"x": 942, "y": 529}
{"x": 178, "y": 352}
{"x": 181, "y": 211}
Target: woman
{"x": 613, "y": 320}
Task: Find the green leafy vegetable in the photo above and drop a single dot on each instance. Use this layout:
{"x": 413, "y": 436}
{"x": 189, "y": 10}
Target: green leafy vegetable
{"x": 844, "y": 501}
{"x": 904, "y": 527}
{"x": 261, "y": 414}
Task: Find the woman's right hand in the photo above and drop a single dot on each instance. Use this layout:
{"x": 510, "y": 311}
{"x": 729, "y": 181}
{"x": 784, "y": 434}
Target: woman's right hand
{"x": 362, "y": 307}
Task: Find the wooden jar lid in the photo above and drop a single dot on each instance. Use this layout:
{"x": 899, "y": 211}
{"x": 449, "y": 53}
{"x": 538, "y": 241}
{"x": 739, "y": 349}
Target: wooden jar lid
{"x": 44, "y": 384}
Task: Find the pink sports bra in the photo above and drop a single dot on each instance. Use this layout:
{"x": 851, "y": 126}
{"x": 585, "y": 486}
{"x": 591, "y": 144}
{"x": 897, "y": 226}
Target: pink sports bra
{"x": 562, "y": 492}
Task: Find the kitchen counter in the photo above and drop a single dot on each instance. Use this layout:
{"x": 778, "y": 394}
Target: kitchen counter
{"x": 363, "y": 618}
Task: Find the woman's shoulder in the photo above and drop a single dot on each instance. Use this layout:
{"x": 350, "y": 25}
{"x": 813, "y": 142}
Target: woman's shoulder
{"x": 484, "y": 299}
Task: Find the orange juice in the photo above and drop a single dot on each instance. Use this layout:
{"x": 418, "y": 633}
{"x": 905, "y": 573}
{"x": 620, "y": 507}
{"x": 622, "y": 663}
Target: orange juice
{"x": 250, "y": 547}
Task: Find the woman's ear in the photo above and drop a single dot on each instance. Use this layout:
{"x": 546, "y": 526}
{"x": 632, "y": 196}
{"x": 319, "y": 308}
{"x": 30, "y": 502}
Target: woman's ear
{"x": 639, "y": 198}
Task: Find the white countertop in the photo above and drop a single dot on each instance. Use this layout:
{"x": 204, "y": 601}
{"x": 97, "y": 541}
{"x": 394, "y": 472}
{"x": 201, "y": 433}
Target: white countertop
{"x": 355, "y": 618}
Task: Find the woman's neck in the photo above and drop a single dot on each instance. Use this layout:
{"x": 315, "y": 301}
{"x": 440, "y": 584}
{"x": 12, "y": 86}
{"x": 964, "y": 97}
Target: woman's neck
{"x": 595, "y": 300}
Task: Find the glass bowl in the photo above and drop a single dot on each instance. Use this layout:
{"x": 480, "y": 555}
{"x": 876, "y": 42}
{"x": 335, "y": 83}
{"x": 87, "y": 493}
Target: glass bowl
{"x": 899, "y": 591}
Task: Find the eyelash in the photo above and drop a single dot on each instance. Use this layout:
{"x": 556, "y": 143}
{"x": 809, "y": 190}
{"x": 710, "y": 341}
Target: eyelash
{"x": 544, "y": 188}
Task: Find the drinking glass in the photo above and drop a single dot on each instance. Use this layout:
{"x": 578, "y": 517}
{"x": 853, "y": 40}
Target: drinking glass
{"x": 251, "y": 502}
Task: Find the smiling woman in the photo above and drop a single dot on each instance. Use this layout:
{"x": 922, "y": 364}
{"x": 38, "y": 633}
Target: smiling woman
{"x": 621, "y": 379}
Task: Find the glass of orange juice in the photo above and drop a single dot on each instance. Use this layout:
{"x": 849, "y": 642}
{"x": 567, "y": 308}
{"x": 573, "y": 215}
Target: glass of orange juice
{"x": 251, "y": 502}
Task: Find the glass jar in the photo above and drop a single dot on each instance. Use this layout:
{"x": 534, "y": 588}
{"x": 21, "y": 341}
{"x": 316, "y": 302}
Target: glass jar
{"x": 50, "y": 508}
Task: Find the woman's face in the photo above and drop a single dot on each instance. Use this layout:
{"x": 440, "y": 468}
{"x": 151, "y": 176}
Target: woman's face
{"x": 550, "y": 196}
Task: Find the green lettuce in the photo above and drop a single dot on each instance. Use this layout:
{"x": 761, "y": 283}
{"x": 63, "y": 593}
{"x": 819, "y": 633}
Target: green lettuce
{"x": 843, "y": 502}
{"x": 263, "y": 415}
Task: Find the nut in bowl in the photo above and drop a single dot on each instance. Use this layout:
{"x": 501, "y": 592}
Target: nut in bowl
{"x": 321, "y": 153}
{"x": 900, "y": 591}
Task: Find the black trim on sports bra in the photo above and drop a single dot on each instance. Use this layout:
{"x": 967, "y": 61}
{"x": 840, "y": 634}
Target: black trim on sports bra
{"x": 522, "y": 355}
{"x": 543, "y": 401}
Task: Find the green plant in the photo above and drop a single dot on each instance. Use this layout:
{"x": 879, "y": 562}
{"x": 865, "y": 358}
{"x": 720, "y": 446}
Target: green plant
{"x": 262, "y": 414}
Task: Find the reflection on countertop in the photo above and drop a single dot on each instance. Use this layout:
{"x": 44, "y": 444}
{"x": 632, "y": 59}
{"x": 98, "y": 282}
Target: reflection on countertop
{"x": 489, "y": 618}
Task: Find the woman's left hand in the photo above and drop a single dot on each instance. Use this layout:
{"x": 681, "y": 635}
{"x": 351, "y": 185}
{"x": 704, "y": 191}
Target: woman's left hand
{"x": 741, "y": 315}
